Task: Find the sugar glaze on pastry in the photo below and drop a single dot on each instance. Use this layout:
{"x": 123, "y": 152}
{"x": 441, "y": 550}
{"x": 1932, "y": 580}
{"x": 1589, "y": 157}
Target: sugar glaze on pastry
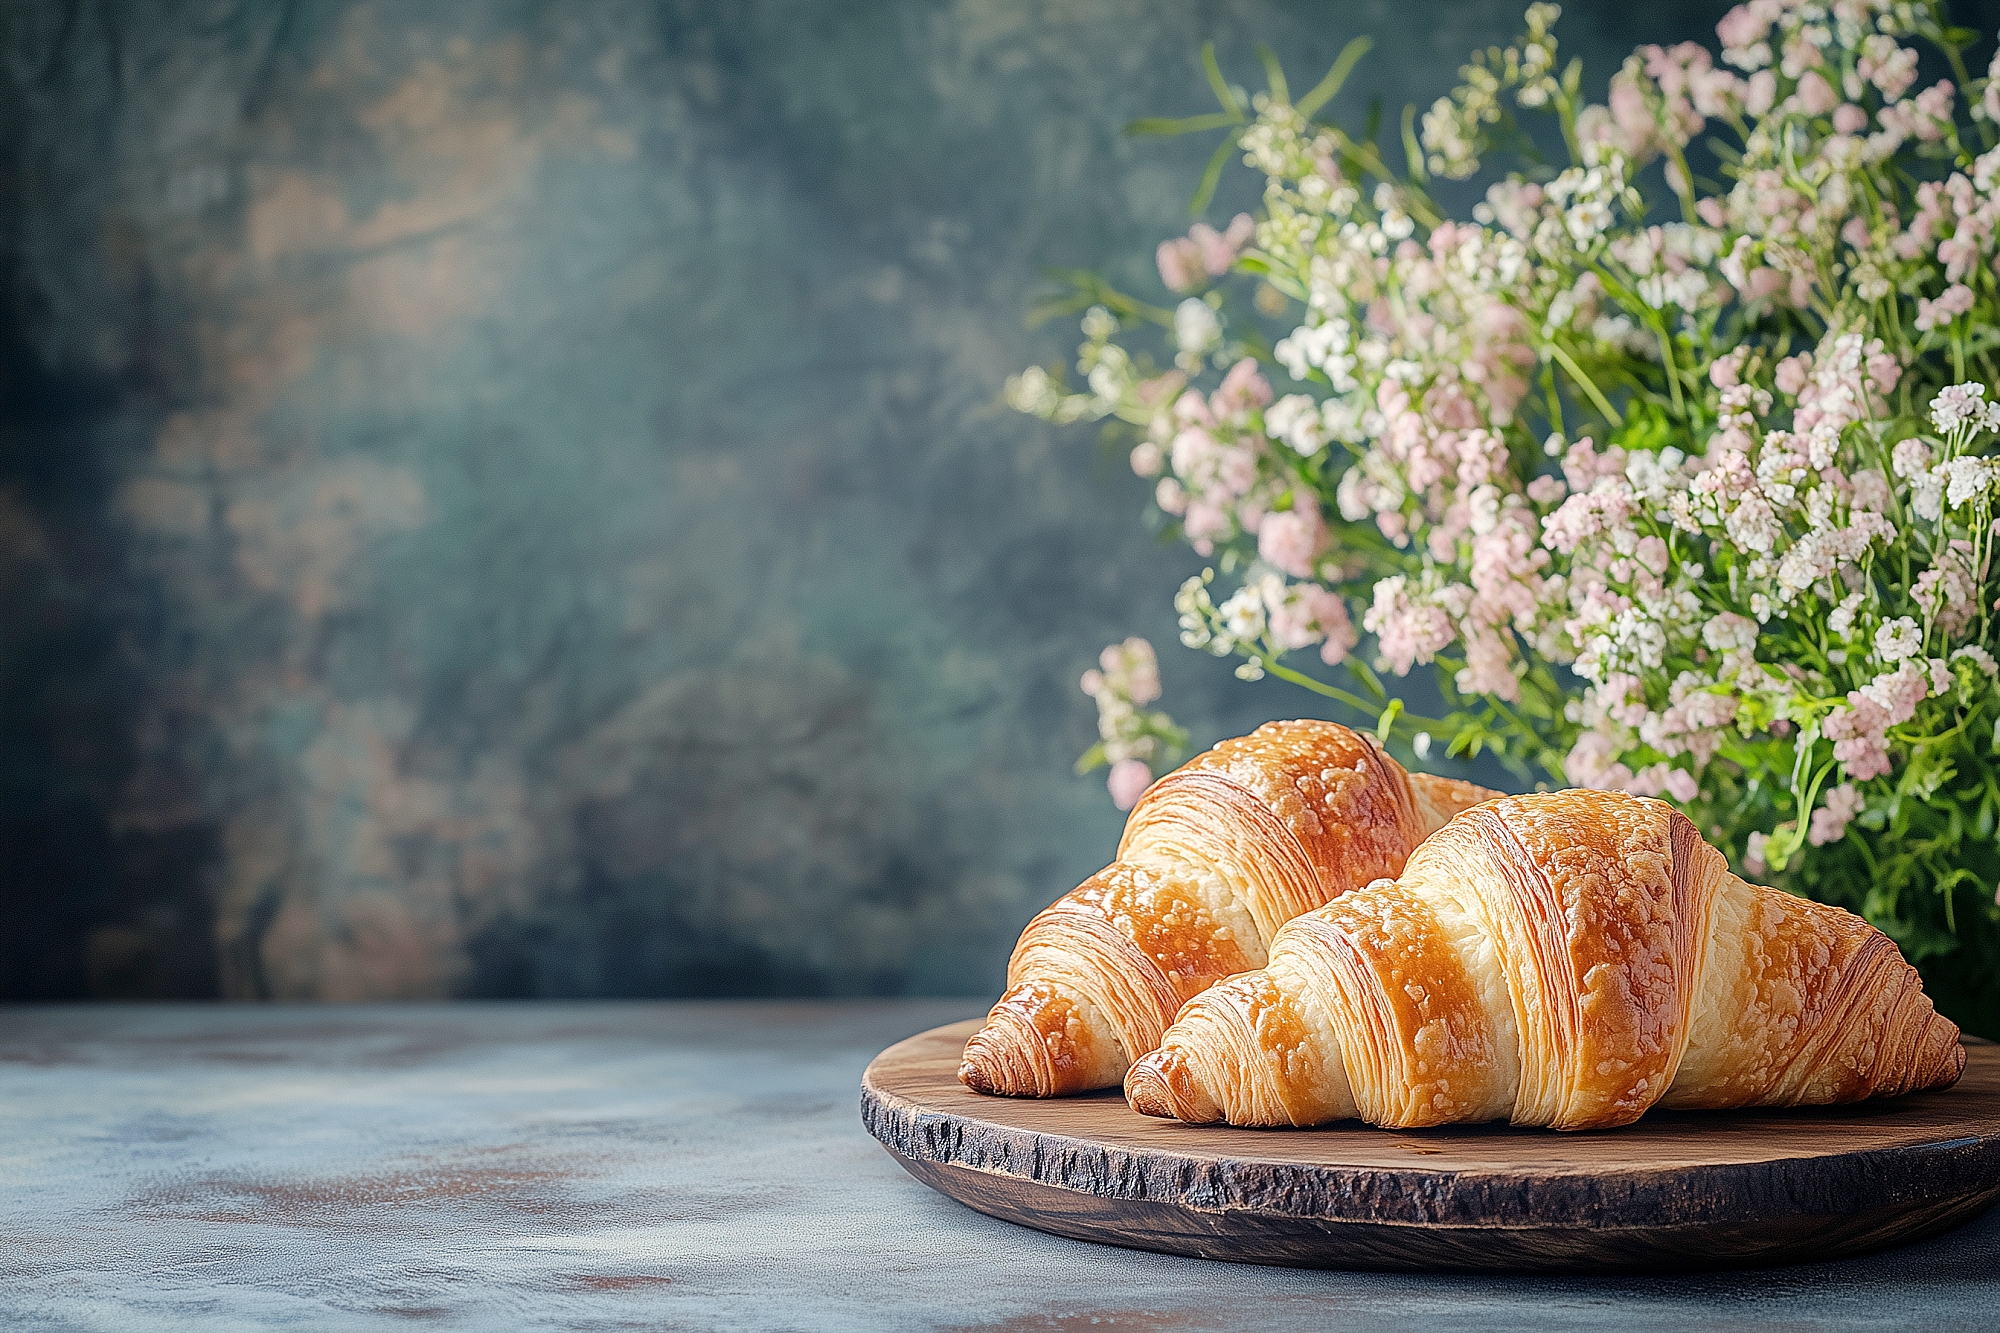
{"x": 1216, "y": 857}
{"x": 1569, "y": 959}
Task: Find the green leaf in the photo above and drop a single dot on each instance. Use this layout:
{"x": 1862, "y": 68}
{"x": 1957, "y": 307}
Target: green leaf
{"x": 1387, "y": 722}
{"x": 1091, "y": 758}
{"x": 1413, "y": 150}
{"x": 1212, "y": 176}
{"x": 1958, "y": 37}
{"x": 1327, "y": 88}
{"x": 1274, "y": 74}
{"x": 1364, "y": 673}
{"x": 1164, "y": 126}
{"x": 1223, "y": 92}
{"x": 1647, "y": 427}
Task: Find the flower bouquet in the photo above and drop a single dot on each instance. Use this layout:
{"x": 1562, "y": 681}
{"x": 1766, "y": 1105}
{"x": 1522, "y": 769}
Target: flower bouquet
{"x": 1673, "y": 461}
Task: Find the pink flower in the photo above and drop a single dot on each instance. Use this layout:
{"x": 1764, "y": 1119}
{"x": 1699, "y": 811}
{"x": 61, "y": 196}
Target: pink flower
{"x": 1607, "y": 507}
{"x": 1218, "y": 249}
{"x": 1864, "y": 757}
{"x": 1629, "y": 113}
{"x": 1191, "y": 409}
{"x": 1583, "y": 464}
{"x": 1652, "y": 553}
{"x": 1955, "y": 301}
{"x": 1849, "y": 118}
{"x": 1934, "y": 104}
{"x": 1482, "y": 457}
{"x": 1829, "y": 822}
{"x": 1330, "y": 613}
{"x": 1128, "y": 781}
{"x": 1242, "y": 390}
{"x": 1180, "y": 264}
{"x": 1292, "y": 540}
{"x": 1816, "y": 95}
{"x": 1884, "y": 371}
{"x": 1896, "y": 693}
{"x": 1889, "y": 67}
{"x": 1760, "y": 92}
{"x": 1792, "y": 373}
{"x": 1593, "y": 762}
{"x": 1680, "y": 785}
{"x": 1489, "y": 663}
{"x": 1409, "y": 632}
{"x": 1205, "y": 522}
{"x": 1743, "y": 27}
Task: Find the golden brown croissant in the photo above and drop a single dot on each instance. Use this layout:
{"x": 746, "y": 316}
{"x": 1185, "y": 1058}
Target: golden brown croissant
{"x": 1569, "y": 960}
{"x": 1216, "y": 857}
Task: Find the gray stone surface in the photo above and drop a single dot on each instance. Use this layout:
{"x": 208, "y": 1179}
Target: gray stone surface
{"x": 671, "y": 1166}
{"x": 502, "y": 497}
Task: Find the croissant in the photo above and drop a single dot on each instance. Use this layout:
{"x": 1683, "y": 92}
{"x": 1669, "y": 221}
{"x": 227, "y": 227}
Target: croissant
{"x": 1216, "y": 856}
{"x": 1569, "y": 960}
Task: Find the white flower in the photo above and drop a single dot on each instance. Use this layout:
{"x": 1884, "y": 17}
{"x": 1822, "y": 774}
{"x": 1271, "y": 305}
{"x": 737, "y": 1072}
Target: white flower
{"x": 1655, "y": 476}
{"x": 1320, "y": 347}
{"x": 1243, "y": 613}
{"x": 1296, "y": 420}
{"x": 1841, "y": 622}
{"x": 1898, "y": 639}
{"x": 1941, "y": 677}
{"x": 1587, "y": 219}
{"x": 1960, "y": 405}
{"x": 1911, "y": 459}
{"x": 1729, "y": 630}
{"x": 1979, "y": 657}
{"x": 1753, "y": 526}
{"x": 1927, "y": 495}
{"x": 1753, "y": 853}
{"x": 1032, "y": 392}
{"x": 1966, "y": 479}
{"x": 1195, "y": 327}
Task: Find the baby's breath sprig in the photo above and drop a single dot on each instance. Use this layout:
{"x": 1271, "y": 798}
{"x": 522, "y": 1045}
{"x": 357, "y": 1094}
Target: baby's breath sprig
{"x": 1682, "y": 487}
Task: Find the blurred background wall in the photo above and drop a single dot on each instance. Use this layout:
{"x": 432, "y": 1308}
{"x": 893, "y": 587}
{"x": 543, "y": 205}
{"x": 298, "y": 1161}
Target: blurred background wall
{"x": 513, "y": 499}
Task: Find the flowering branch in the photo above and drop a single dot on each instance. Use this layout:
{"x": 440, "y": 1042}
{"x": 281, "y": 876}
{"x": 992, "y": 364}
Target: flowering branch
{"x": 1656, "y": 500}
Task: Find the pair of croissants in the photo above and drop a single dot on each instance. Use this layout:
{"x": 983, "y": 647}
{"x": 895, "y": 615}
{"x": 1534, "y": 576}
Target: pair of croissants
{"x": 1297, "y": 931}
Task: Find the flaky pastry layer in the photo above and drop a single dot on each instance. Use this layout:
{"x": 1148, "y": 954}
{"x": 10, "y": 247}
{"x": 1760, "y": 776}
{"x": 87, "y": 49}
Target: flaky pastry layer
{"x": 1568, "y": 959}
{"x": 1215, "y": 859}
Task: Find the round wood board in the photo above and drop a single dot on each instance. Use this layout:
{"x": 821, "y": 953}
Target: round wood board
{"x": 1678, "y": 1190}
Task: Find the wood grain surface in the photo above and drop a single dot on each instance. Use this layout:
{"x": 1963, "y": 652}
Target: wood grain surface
{"x": 1676, "y": 1191}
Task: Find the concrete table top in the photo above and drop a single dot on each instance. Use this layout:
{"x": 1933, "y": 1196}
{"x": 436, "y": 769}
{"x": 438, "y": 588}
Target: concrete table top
{"x": 659, "y": 1166}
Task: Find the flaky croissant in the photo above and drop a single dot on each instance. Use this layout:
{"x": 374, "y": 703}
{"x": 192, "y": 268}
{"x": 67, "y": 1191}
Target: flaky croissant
{"x": 1216, "y": 857}
{"x": 1569, "y": 960}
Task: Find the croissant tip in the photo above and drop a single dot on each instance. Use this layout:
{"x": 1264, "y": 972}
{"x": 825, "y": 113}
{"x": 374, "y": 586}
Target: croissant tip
{"x": 976, "y": 1077}
{"x": 1146, "y": 1088}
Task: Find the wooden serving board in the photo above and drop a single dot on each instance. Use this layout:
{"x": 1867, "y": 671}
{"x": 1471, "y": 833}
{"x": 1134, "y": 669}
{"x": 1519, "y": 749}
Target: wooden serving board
{"x": 1678, "y": 1190}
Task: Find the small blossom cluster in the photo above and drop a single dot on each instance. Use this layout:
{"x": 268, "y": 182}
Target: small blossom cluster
{"x": 1131, "y": 739}
{"x": 1263, "y": 620}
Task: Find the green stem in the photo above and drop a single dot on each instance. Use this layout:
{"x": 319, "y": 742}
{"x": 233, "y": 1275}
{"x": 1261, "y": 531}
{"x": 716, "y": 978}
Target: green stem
{"x": 1585, "y": 383}
{"x": 1673, "y": 371}
{"x": 1352, "y": 700}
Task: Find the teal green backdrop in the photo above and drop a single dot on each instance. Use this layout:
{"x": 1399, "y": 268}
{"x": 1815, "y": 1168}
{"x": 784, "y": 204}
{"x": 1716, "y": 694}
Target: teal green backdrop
{"x": 513, "y": 498}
